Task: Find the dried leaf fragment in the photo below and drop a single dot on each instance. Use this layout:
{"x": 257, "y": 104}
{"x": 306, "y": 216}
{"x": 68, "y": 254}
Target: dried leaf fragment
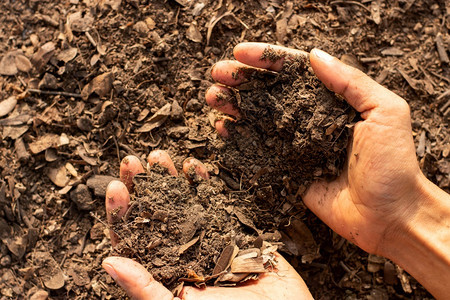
{"x": 67, "y": 54}
{"x": 225, "y": 258}
{"x": 188, "y": 245}
{"x": 43, "y": 55}
{"x": 49, "y": 140}
{"x": 58, "y": 176}
{"x": 243, "y": 264}
{"x": 23, "y": 64}
{"x": 193, "y": 33}
{"x": 6, "y": 106}
{"x": 101, "y": 85}
{"x": 157, "y": 119}
{"x": 8, "y": 64}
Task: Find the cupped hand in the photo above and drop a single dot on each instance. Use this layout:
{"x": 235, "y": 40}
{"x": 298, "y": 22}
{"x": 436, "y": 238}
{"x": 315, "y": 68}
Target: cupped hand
{"x": 376, "y": 191}
{"x": 281, "y": 283}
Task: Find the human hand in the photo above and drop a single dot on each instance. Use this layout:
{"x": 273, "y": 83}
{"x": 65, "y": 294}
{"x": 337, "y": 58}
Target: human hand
{"x": 372, "y": 197}
{"x": 281, "y": 283}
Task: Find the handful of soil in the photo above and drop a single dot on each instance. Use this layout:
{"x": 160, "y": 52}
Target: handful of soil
{"x": 197, "y": 234}
{"x": 293, "y": 130}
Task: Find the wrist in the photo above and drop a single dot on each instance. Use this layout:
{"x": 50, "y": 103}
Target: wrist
{"x": 420, "y": 241}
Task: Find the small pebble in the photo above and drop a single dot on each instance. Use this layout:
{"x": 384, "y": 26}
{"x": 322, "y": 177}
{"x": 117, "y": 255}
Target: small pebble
{"x": 85, "y": 124}
{"x": 5, "y": 261}
{"x": 39, "y": 295}
{"x": 82, "y": 197}
{"x": 194, "y": 105}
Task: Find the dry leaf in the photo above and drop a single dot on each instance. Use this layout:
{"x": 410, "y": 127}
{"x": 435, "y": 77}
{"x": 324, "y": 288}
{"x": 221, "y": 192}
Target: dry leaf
{"x": 415, "y": 84}
{"x": 67, "y": 55}
{"x": 58, "y": 176}
{"x": 225, "y": 259}
{"x": 101, "y": 85}
{"x": 78, "y": 23}
{"x": 48, "y": 140}
{"x": 23, "y": 64}
{"x": 6, "y": 106}
{"x": 157, "y": 119}
{"x": 43, "y": 55}
{"x": 50, "y": 155}
{"x": 300, "y": 241}
{"x": 188, "y": 245}
{"x": 247, "y": 265}
{"x": 84, "y": 156}
{"x": 49, "y": 271}
{"x": 193, "y": 33}
{"x": 8, "y": 64}
{"x": 245, "y": 220}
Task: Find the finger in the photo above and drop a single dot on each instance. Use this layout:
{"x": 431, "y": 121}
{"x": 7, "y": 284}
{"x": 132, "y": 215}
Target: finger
{"x": 232, "y": 72}
{"x": 360, "y": 91}
{"x": 135, "y": 279}
{"x": 117, "y": 200}
{"x": 163, "y": 159}
{"x": 129, "y": 167}
{"x": 221, "y": 128}
{"x": 193, "y": 168}
{"x": 221, "y": 98}
{"x": 253, "y": 54}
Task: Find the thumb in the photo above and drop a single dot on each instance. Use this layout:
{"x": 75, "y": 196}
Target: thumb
{"x": 360, "y": 91}
{"x": 135, "y": 279}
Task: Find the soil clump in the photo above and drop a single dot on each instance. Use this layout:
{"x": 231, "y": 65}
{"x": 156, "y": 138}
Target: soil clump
{"x": 293, "y": 130}
{"x": 174, "y": 228}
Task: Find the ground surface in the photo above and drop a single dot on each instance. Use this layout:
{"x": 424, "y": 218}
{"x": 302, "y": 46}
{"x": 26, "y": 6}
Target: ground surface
{"x": 156, "y": 54}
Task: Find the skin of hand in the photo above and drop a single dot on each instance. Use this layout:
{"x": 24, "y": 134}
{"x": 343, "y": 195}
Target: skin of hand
{"x": 283, "y": 283}
{"x": 381, "y": 202}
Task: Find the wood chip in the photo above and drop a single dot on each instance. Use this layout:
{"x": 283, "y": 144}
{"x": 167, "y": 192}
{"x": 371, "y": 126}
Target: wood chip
{"x": 392, "y": 51}
{"x": 188, "y": 245}
{"x": 421, "y": 146}
{"x": 441, "y": 49}
{"x": 375, "y": 12}
{"x": 248, "y": 265}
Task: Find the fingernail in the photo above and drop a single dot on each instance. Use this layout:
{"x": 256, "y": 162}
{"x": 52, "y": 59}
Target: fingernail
{"x": 322, "y": 55}
{"x": 110, "y": 270}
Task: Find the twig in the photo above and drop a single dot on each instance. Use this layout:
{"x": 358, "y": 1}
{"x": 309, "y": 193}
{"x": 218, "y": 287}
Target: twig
{"x": 54, "y": 93}
{"x": 349, "y": 2}
{"x": 117, "y": 148}
{"x": 90, "y": 38}
{"x": 440, "y": 76}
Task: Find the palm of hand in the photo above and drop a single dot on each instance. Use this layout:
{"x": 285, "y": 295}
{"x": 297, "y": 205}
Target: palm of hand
{"x": 285, "y": 283}
{"x": 361, "y": 205}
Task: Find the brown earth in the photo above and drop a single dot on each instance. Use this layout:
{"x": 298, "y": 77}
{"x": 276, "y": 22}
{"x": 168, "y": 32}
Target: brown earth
{"x": 85, "y": 83}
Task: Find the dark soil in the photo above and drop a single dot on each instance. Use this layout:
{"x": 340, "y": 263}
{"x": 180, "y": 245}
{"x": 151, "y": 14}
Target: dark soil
{"x": 173, "y": 227}
{"x": 94, "y": 81}
{"x": 293, "y": 129}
